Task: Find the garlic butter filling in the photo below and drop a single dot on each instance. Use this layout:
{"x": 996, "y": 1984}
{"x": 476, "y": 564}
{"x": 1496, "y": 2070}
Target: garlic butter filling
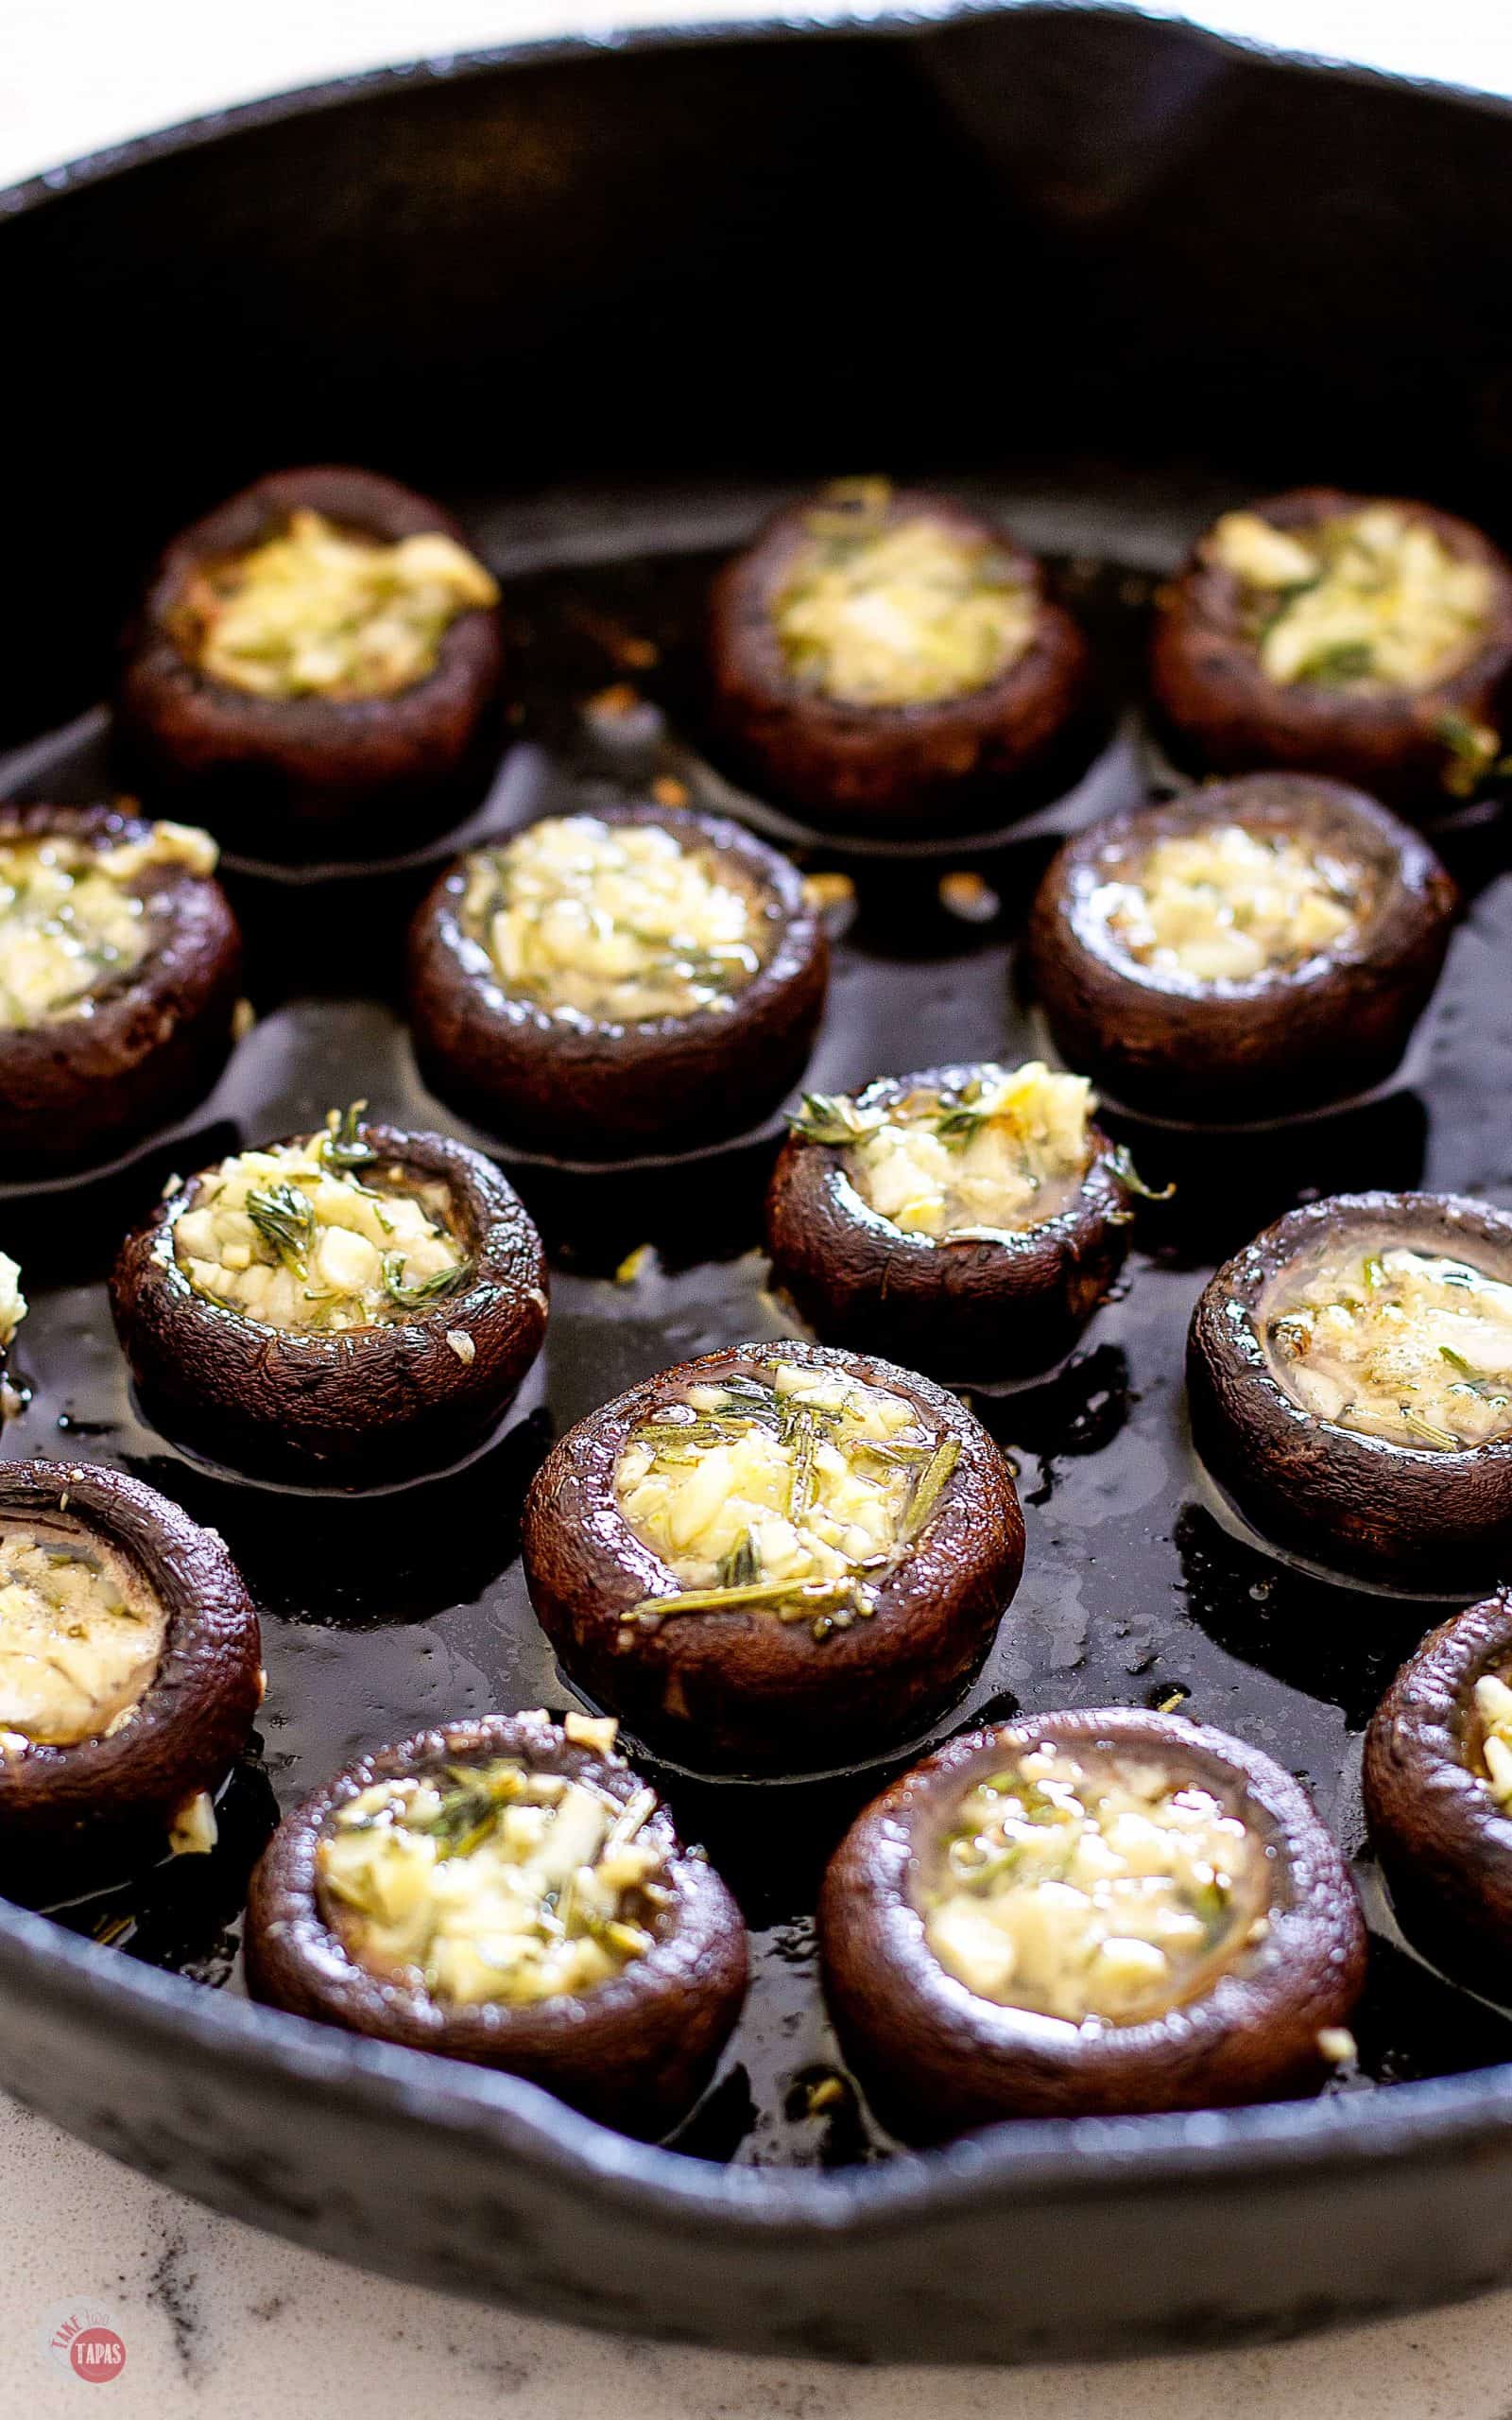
{"x": 790, "y": 1490}
{"x": 12, "y": 1301}
{"x": 1370, "y": 600}
{"x": 320, "y": 1235}
{"x": 1493, "y": 1703}
{"x": 1005, "y": 1151}
{"x": 1091, "y": 1888}
{"x": 80, "y": 1638}
{"x": 1226, "y": 904}
{"x": 493, "y": 1882}
{"x": 1400, "y": 1344}
{"x": 70, "y": 921}
{"x": 319, "y": 610}
{"x": 874, "y": 612}
{"x": 613, "y": 922}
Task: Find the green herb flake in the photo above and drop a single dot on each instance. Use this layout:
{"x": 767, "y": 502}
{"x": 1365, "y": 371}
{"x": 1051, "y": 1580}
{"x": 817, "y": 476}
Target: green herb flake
{"x": 425, "y": 1290}
{"x": 284, "y": 1219}
{"x": 344, "y": 1147}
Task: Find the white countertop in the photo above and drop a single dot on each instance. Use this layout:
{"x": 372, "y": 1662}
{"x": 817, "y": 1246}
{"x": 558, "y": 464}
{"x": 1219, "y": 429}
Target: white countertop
{"x": 214, "y": 2318}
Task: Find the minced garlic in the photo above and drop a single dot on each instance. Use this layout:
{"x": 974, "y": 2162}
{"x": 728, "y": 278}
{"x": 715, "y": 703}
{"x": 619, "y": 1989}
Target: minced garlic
{"x": 1090, "y": 1887}
{"x": 1400, "y": 1343}
{"x": 12, "y": 1301}
{"x": 788, "y": 1489}
{"x": 294, "y": 1237}
{"x": 1370, "y": 600}
{"x": 1005, "y": 1150}
{"x": 81, "y": 1636}
{"x": 70, "y": 923}
{"x": 493, "y": 1882}
{"x": 1225, "y": 905}
{"x": 1493, "y": 1703}
{"x": 319, "y": 610}
{"x": 613, "y": 922}
{"x": 882, "y": 613}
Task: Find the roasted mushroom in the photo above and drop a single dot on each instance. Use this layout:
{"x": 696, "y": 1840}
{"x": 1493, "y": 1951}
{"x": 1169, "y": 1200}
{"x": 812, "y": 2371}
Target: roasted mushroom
{"x": 506, "y": 1892}
{"x": 347, "y": 1306}
{"x": 1088, "y": 1912}
{"x": 1255, "y": 948}
{"x": 604, "y": 986}
{"x": 129, "y": 1658}
{"x": 1438, "y": 1792}
{"x": 1351, "y": 1381}
{"x": 887, "y": 661}
{"x": 774, "y": 1557}
{"x": 120, "y": 967}
{"x": 312, "y": 668}
{"x": 965, "y": 1221}
{"x": 1364, "y": 637}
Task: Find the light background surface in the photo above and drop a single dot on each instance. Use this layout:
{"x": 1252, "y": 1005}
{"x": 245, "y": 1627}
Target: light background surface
{"x": 215, "y": 2318}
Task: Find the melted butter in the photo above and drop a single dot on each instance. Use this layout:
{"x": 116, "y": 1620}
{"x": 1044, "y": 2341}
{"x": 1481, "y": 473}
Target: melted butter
{"x": 1404, "y": 1344}
{"x": 293, "y": 1238}
{"x": 900, "y": 613}
{"x": 1091, "y": 1888}
{"x": 1370, "y": 600}
{"x": 81, "y": 1636}
{"x": 318, "y": 611}
{"x": 1006, "y": 1151}
{"x": 613, "y": 922}
{"x": 69, "y": 922}
{"x": 1225, "y": 905}
{"x": 493, "y": 1882}
{"x": 791, "y": 1490}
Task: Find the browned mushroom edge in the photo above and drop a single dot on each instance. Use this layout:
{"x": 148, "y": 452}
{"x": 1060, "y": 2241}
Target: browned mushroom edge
{"x": 634, "y": 2052}
{"x": 589, "y": 1090}
{"x": 936, "y": 2058}
{"x": 956, "y": 762}
{"x": 736, "y": 1689}
{"x": 1403, "y": 1515}
{"x": 310, "y": 776}
{"x": 76, "y": 1090}
{"x": 1002, "y": 1309}
{"x": 1414, "y": 747}
{"x": 1268, "y": 1045}
{"x": 193, "y": 1716}
{"x": 1444, "y": 1841}
{"x": 357, "y": 1408}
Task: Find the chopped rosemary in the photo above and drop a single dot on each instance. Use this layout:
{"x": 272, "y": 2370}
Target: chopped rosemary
{"x": 931, "y": 1482}
{"x": 344, "y": 1147}
{"x": 801, "y": 1594}
{"x": 1490, "y": 1389}
{"x": 742, "y": 1567}
{"x": 802, "y": 1437}
{"x": 284, "y": 1217}
{"x": 833, "y": 1118}
{"x": 424, "y": 1290}
{"x": 1375, "y": 1271}
{"x": 1426, "y": 1430}
{"x": 1351, "y": 660}
{"x": 1121, "y": 1161}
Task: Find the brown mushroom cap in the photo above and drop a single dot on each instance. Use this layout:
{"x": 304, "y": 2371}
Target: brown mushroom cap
{"x": 982, "y": 1310}
{"x": 634, "y": 2053}
{"x": 194, "y": 1717}
{"x": 936, "y": 2058}
{"x": 888, "y": 768}
{"x": 297, "y": 777}
{"x": 76, "y": 1089}
{"x": 359, "y": 1406}
{"x": 591, "y": 1090}
{"x": 1273, "y": 1042}
{"x": 1444, "y": 1841}
{"x": 1409, "y": 1516}
{"x": 1224, "y": 712}
{"x": 740, "y": 1689}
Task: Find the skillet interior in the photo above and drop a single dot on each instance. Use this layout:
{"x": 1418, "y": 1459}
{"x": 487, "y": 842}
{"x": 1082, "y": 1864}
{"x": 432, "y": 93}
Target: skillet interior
{"x": 512, "y": 254}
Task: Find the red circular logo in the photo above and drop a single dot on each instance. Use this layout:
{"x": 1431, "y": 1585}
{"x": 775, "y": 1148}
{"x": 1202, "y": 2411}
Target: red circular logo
{"x": 97, "y": 2354}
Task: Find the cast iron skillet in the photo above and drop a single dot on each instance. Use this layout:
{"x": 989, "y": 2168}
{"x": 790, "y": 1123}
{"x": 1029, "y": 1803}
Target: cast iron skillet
{"x": 1124, "y": 169}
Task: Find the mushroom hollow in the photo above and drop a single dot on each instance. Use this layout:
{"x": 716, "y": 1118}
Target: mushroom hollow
{"x": 775, "y": 1558}
{"x": 1362, "y": 637}
{"x": 512, "y": 1893}
{"x": 966, "y": 1220}
{"x": 1086, "y": 1913}
{"x": 887, "y": 662}
{"x": 1439, "y": 1793}
{"x": 1350, "y": 1383}
{"x": 634, "y": 981}
{"x": 120, "y": 970}
{"x": 1256, "y": 947}
{"x": 353, "y": 1305}
{"x": 314, "y": 668}
{"x": 130, "y": 1656}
